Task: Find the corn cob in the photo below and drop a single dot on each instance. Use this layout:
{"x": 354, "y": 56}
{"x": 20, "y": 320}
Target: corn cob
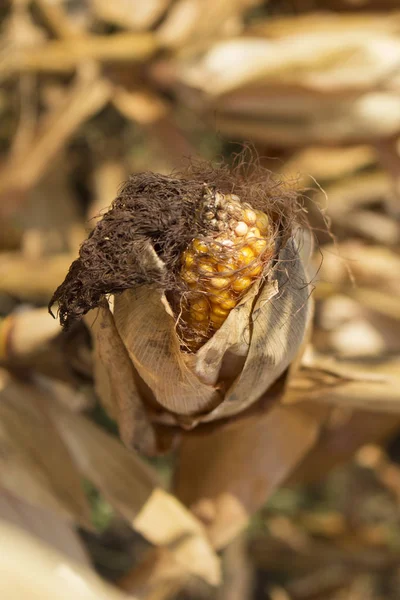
{"x": 221, "y": 267}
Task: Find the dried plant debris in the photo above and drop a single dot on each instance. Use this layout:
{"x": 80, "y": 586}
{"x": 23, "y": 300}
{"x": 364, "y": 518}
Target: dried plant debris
{"x": 203, "y": 236}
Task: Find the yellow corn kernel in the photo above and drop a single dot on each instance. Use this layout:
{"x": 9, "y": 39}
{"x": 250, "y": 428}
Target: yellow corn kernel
{"x": 241, "y": 284}
{"x": 254, "y": 232}
{"x": 199, "y": 246}
{"x": 226, "y": 302}
{"x": 205, "y": 268}
{"x": 258, "y": 245}
{"x": 249, "y": 216}
{"x": 188, "y": 259}
{"x": 200, "y": 305}
{"x": 198, "y": 316}
{"x": 228, "y": 266}
{"x": 216, "y": 321}
{"x": 220, "y": 297}
{"x": 245, "y": 255}
{"x": 219, "y": 282}
{"x": 190, "y": 277}
{"x": 219, "y": 311}
{"x": 253, "y": 271}
{"x": 262, "y": 222}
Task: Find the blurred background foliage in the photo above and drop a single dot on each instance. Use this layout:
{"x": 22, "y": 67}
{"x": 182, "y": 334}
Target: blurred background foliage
{"x": 93, "y": 90}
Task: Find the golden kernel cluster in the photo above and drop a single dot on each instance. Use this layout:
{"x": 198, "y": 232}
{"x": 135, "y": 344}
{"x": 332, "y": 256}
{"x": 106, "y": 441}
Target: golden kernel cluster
{"x": 219, "y": 270}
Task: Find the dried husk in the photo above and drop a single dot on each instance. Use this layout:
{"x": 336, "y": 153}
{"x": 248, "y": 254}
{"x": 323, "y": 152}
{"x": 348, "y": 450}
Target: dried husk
{"x": 255, "y": 345}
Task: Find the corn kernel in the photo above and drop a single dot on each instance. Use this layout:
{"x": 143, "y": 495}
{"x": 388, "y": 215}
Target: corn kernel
{"x": 228, "y": 304}
{"x": 228, "y": 266}
{"x": 198, "y": 316}
{"x": 216, "y": 321}
{"x": 190, "y": 277}
{"x": 220, "y": 312}
{"x": 221, "y": 298}
{"x": 200, "y": 246}
{"x": 253, "y": 271}
{"x": 219, "y": 282}
{"x": 241, "y": 229}
{"x": 205, "y": 268}
{"x": 245, "y": 256}
{"x": 200, "y": 305}
{"x": 259, "y": 245}
{"x": 249, "y": 216}
{"x": 241, "y": 284}
{"x": 262, "y": 222}
{"x": 254, "y": 232}
{"x": 188, "y": 259}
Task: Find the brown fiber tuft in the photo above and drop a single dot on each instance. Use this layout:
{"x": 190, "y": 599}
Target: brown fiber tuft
{"x": 162, "y": 210}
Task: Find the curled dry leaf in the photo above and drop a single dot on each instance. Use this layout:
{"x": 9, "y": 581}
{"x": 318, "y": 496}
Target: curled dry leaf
{"x": 211, "y": 298}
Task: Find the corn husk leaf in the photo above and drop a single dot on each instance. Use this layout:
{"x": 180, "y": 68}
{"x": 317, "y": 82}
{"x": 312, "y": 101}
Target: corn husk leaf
{"x": 249, "y": 357}
{"x": 148, "y": 333}
{"x": 115, "y": 382}
{"x": 320, "y": 61}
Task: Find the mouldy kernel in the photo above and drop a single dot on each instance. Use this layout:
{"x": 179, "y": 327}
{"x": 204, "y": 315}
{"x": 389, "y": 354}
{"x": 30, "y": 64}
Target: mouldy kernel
{"x": 237, "y": 255}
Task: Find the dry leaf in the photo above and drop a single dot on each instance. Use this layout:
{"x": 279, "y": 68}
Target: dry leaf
{"x": 348, "y": 384}
{"x": 47, "y": 574}
{"x": 43, "y": 524}
{"x": 35, "y": 463}
{"x": 130, "y": 14}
